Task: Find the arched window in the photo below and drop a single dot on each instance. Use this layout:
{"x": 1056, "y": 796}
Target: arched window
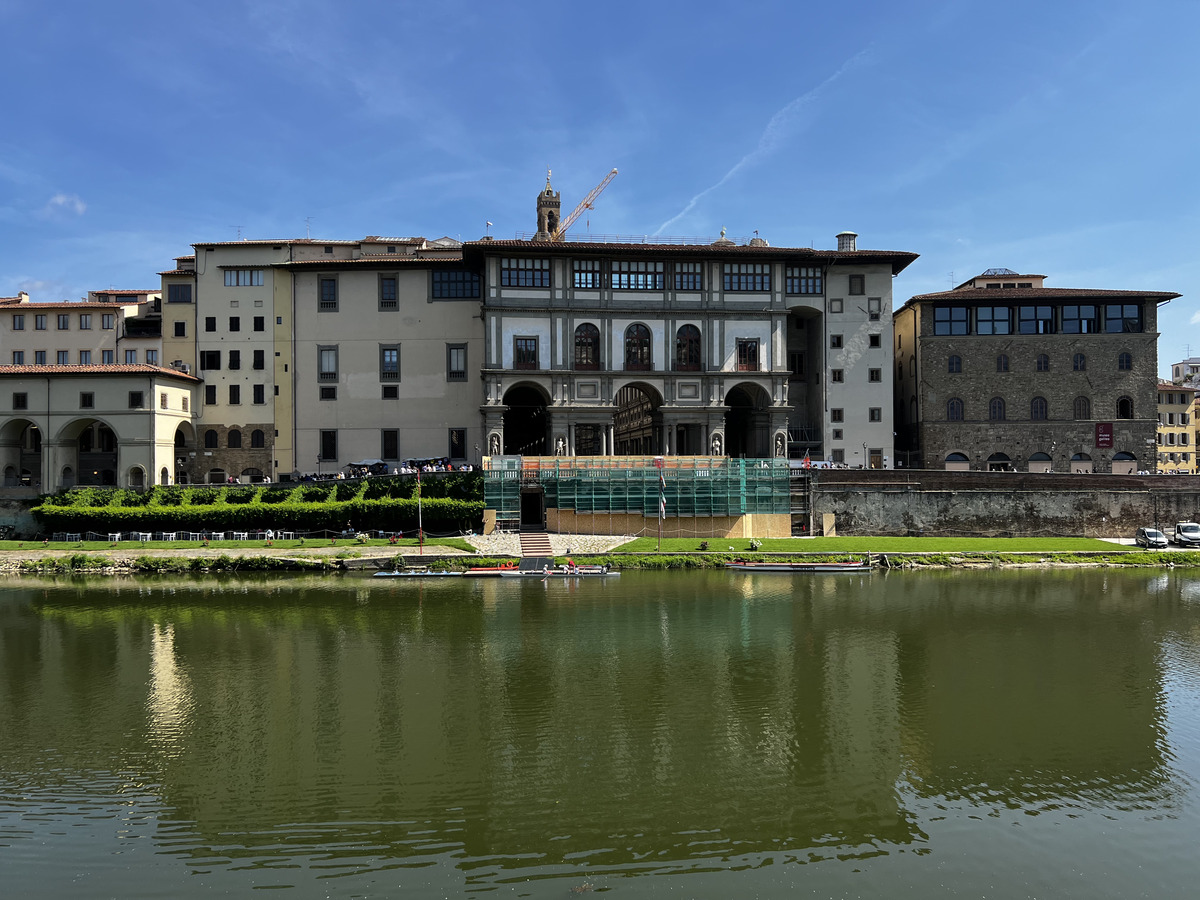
{"x": 587, "y": 347}
{"x": 210, "y": 439}
{"x": 954, "y": 410}
{"x": 1039, "y": 409}
{"x": 996, "y": 409}
{"x": 1124, "y": 407}
{"x": 637, "y": 348}
{"x": 955, "y": 364}
{"x": 687, "y": 349}
{"x": 1002, "y": 362}
{"x": 1125, "y": 362}
{"x": 1043, "y": 363}
{"x": 234, "y": 439}
{"x": 1079, "y": 362}
{"x": 1083, "y": 409}
{"x": 257, "y": 439}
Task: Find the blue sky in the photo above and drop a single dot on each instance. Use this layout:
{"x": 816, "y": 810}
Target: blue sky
{"x": 1049, "y": 137}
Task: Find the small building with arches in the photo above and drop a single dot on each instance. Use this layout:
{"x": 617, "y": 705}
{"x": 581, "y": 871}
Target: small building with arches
{"x": 117, "y": 425}
{"x": 1004, "y": 374}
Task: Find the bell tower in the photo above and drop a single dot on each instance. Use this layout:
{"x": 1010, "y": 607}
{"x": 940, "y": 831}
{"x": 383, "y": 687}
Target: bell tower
{"x": 549, "y": 209}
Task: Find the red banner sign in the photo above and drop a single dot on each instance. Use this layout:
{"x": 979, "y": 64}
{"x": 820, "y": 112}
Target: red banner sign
{"x": 1104, "y": 435}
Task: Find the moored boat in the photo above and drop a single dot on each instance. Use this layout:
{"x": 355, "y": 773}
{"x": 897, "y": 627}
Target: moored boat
{"x": 801, "y": 568}
{"x": 417, "y": 572}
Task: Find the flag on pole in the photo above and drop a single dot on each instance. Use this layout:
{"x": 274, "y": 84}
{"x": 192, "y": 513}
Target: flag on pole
{"x": 662, "y": 494}
{"x": 806, "y": 462}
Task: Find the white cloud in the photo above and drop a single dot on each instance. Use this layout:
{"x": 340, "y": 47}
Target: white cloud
{"x": 71, "y": 203}
{"x": 1195, "y": 319}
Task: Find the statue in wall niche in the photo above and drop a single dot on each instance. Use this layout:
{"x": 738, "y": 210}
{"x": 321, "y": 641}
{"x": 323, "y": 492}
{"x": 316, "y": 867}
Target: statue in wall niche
{"x": 560, "y": 446}
{"x": 494, "y": 444}
{"x": 780, "y": 445}
{"x": 716, "y": 445}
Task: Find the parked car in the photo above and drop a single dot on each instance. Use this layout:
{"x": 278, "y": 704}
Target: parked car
{"x": 1150, "y": 538}
{"x": 1187, "y": 534}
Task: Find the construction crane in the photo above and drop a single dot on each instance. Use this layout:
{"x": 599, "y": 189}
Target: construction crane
{"x": 560, "y": 233}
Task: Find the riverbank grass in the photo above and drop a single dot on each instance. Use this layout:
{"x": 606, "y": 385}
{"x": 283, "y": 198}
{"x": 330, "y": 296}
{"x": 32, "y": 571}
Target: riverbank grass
{"x": 432, "y": 545}
{"x": 872, "y": 545}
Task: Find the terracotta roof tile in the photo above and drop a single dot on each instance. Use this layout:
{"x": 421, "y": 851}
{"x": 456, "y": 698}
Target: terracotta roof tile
{"x": 114, "y": 369}
{"x": 177, "y": 272}
{"x": 987, "y": 296}
{"x": 68, "y": 305}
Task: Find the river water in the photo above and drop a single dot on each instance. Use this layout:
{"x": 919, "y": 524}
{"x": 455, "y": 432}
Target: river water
{"x": 999, "y": 734}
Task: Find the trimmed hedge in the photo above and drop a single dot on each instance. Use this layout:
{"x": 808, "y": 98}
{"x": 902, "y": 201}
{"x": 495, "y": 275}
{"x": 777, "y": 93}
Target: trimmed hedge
{"x": 387, "y": 504}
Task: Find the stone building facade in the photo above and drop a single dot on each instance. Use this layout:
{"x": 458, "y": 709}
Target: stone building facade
{"x": 1002, "y": 373}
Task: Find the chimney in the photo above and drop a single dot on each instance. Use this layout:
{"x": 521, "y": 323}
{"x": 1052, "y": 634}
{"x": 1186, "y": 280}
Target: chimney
{"x": 846, "y": 242}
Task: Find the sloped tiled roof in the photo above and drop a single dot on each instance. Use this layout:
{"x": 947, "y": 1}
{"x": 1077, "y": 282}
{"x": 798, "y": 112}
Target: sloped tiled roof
{"x": 114, "y": 369}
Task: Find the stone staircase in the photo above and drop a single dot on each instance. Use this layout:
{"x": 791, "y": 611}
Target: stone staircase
{"x": 536, "y": 543}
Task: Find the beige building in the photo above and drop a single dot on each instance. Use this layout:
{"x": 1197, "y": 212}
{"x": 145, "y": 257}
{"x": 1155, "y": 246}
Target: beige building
{"x": 106, "y": 328}
{"x": 1176, "y": 436}
{"x": 93, "y": 425}
{"x": 728, "y": 348}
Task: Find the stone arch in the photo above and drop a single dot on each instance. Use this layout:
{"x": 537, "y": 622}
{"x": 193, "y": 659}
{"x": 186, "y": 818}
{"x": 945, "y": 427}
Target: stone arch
{"x": 89, "y": 447}
{"x": 252, "y": 476}
{"x": 137, "y": 478}
{"x": 639, "y": 348}
{"x": 957, "y": 462}
{"x": 747, "y": 421}
{"x": 164, "y": 476}
{"x": 999, "y": 462}
{"x": 216, "y": 476}
{"x": 21, "y": 449}
{"x": 637, "y": 421}
{"x": 1081, "y": 462}
{"x": 526, "y": 420}
{"x": 1124, "y": 463}
{"x": 1040, "y": 462}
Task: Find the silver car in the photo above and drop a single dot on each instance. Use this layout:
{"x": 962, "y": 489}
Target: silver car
{"x": 1150, "y": 538}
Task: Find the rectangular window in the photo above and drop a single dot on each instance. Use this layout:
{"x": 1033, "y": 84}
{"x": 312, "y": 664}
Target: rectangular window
{"x": 210, "y": 395}
{"x": 136, "y": 400}
{"x": 874, "y": 307}
{"x": 838, "y": 455}
{"x": 458, "y": 443}
{"x": 875, "y": 414}
{"x": 525, "y": 353}
{"x": 327, "y": 295}
{"x": 180, "y": 329}
{"x": 235, "y": 394}
{"x": 456, "y": 362}
{"x": 260, "y": 323}
{"x": 802, "y": 280}
{"x": 585, "y": 274}
{"x": 389, "y": 298}
{"x": 235, "y": 359}
{"x": 106, "y": 357}
{"x": 637, "y": 276}
{"x": 64, "y": 322}
{"x": 747, "y": 355}
{"x": 85, "y": 357}
{"x": 836, "y": 415}
{"x": 525, "y": 273}
{"x": 20, "y": 401}
{"x": 688, "y": 276}
{"x": 63, "y": 357}
{"x": 455, "y": 284}
{"x": 837, "y": 376}
{"x": 951, "y": 320}
{"x": 796, "y": 363}
{"x": 875, "y": 375}
{"x": 874, "y": 341}
{"x": 837, "y": 434}
{"x": 858, "y": 285}
{"x": 747, "y": 277}
{"x": 1080, "y": 319}
{"x": 835, "y": 342}
{"x": 389, "y": 443}
{"x": 835, "y": 305}
{"x": 130, "y": 357}
{"x": 391, "y": 392}
{"x": 993, "y": 320}
{"x": 18, "y": 323}
{"x": 327, "y": 363}
{"x": 260, "y": 394}
{"x": 18, "y": 357}
{"x": 39, "y": 323}
{"x": 1120, "y": 318}
{"x": 329, "y": 445}
{"x": 162, "y": 400}
{"x": 87, "y": 400}
{"x": 260, "y": 359}
{"x": 389, "y": 362}
{"x": 152, "y": 357}
{"x": 85, "y": 322}
{"x": 243, "y": 277}
{"x": 183, "y": 401}
{"x": 107, "y": 321}
{"x": 179, "y": 293}
{"x": 235, "y": 323}
{"x": 1035, "y": 319}
{"x": 210, "y": 360}
{"x": 39, "y": 357}
{"x": 210, "y": 323}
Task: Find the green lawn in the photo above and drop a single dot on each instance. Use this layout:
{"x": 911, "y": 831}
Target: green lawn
{"x": 875, "y": 545}
{"x": 431, "y": 544}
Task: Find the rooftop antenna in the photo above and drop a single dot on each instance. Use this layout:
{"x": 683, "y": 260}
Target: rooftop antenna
{"x": 488, "y": 230}
{"x": 308, "y": 228}
{"x": 951, "y": 277}
{"x": 239, "y": 231}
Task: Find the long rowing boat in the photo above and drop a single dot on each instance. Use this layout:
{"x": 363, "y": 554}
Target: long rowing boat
{"x": 802, "y": 568}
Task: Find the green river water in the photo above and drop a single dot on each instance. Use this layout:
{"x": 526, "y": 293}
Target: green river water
{"x": 998, "y": 734}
